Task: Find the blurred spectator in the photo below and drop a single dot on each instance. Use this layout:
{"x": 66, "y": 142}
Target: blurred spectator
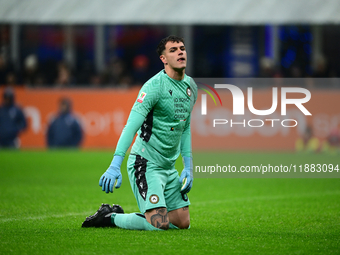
{"x": 5, "y": 70}
{"x": 116, "y": 74}
{"x": 50, "y": 71}
{"x": 64, "y": 75}
{"x": 307, "y": 143}
{"x": 332, "y": 144}
{"x": 320, "y": 67}
{"x": 96, "y": 81}
{"x": 125, "y": 81}
{"x": 12, "y": 121}
{"x": 11, "y": 79}
{"x": 85, "y": 73}
{"x": 140, "y": 69}
{"x": 296, "y": 72}
{"x": 64, "y": 130}
{"x": 32, "y": 76}
{"x": 266, "y": 68}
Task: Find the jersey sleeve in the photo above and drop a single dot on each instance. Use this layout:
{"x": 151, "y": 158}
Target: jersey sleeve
{"x": 134, "y": 122}
{"x": 186, "y": 150}
{"x": 193, "y": 86}
{"x": 148, "y": 96}
{"x": 186, "y": 140}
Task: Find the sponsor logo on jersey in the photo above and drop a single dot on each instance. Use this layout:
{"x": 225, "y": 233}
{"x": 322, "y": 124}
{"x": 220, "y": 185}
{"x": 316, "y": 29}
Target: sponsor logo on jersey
{"x": 170, "y": 91}
{"x": 141, "y": 97}
{"x": 188, "y": 92}
{"x": 154, "y": 199}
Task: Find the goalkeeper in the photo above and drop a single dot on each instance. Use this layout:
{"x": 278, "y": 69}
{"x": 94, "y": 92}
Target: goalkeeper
{"x": 161, "y": 115}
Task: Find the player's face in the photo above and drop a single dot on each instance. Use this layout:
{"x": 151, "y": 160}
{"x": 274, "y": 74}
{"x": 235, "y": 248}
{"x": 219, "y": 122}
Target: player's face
{"x": 174, "y": 55}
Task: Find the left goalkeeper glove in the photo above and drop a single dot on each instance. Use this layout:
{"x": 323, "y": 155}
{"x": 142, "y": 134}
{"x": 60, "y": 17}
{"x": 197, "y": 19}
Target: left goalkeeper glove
{"x": 186, "y": 175}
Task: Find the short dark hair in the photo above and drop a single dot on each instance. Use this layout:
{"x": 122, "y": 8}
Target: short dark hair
{"x": 9, "y": 96}
{"x": 64, "y": 101}
{"x": 170, "y": 38}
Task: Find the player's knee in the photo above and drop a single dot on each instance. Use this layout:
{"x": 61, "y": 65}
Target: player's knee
{"x": 180, "y": 217}
{"x": 158, "y": 218}
{"x": 184, "y": 224}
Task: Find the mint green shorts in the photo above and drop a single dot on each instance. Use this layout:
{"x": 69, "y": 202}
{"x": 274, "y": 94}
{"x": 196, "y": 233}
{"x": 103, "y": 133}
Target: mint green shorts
{"x": 154, "y": 186}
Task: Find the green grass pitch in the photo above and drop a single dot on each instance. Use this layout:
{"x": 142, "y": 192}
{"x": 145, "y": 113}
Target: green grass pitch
{"x": 45, "y": 196}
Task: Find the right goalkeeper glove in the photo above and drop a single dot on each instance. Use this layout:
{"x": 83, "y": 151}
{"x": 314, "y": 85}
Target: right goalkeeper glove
{"x": 112, "y": 174}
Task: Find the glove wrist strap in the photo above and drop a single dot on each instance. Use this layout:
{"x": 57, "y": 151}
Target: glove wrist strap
{"x": 117, "y": 161}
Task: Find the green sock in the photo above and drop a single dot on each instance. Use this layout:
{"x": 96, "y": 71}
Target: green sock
{"x": 135, "y": 221}
{"x": 172, "y": 226}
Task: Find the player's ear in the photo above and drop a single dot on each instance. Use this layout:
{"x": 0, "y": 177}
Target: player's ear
{"x": 163, "y": 59}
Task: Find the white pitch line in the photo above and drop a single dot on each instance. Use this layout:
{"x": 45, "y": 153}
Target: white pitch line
{"x": 43, "y": 217}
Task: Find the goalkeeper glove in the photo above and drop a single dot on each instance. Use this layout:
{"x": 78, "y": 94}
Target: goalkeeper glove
{"x": 186, "y": 175}
{"x": 112, "y": 174}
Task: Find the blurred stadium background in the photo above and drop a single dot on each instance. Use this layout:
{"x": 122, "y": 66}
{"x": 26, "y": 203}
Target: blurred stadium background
{"x": 99, "y": 53}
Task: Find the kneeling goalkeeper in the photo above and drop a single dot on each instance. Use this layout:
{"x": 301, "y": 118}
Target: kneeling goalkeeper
{"x": 161, "y": 117}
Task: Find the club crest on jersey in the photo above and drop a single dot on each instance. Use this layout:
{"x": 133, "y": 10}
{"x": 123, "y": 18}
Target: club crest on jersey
{"x": 141, "y": 97}
{"x": 188, "y": 92}
{"x": 154, "y": 199}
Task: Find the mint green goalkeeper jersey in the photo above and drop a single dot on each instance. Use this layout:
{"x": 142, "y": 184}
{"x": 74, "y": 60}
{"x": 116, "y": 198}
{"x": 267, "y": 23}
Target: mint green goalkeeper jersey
{"x": 166, "y": 105}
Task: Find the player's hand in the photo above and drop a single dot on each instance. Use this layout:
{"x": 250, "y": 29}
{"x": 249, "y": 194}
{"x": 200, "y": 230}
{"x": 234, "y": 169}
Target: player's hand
{"x": 112, "y": 174}
{"x": 186, "y": 176}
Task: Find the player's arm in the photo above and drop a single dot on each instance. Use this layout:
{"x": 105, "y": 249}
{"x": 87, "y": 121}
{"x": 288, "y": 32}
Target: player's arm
{"x": 113, "y": 173}
{"x": 21, "y": 122}
{"x": 50, "y": 134}
{"x": 186, "y": 152}
{"x": 187, "y": 173}
{"x": 148, "y": 97}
